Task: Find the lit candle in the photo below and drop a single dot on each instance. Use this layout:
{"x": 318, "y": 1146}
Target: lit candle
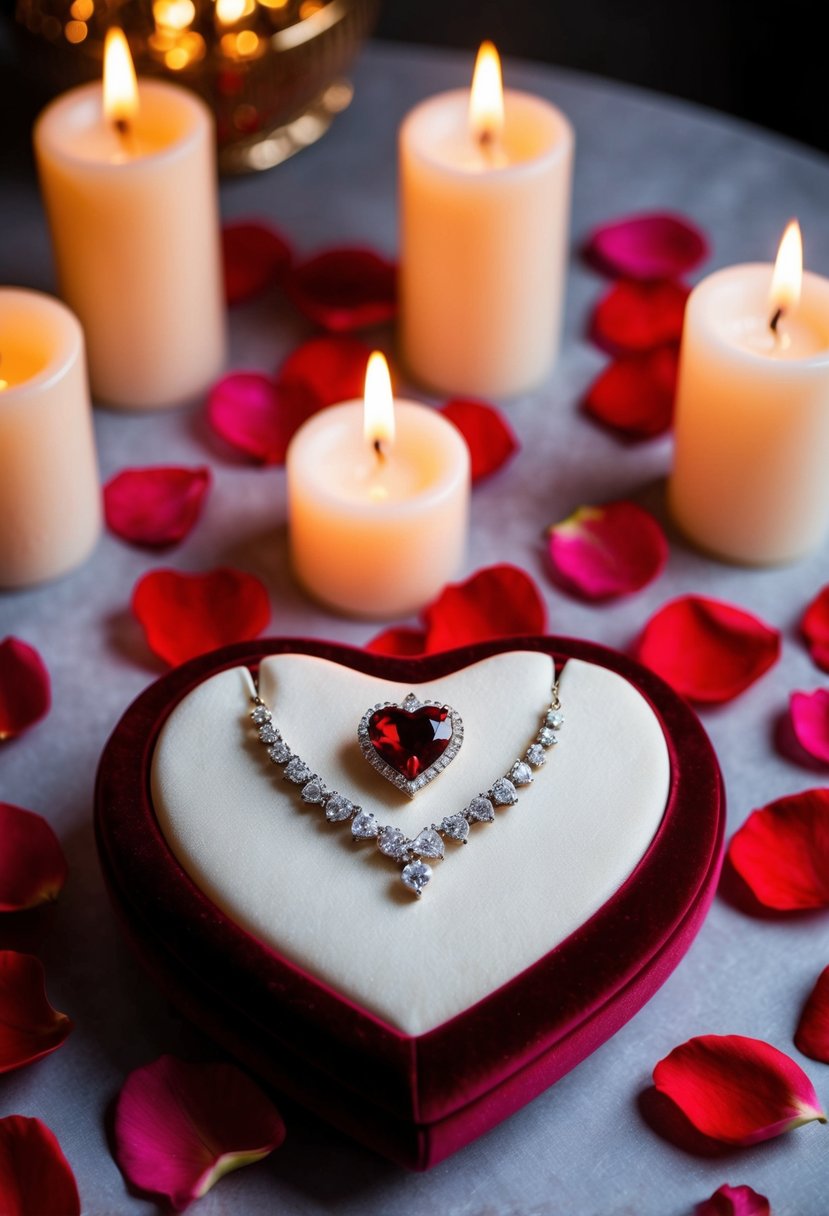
{"x": 750, "y": 480}
{"x": 485, "y": 203}
{"x": 49, "y": 491}
{"x": 378, "y": 502}
{"x": 129, "y": 183}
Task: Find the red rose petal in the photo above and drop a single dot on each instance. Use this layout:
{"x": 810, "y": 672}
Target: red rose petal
{"x": 345, "y": 289}
{"x": 649, "y": 246}
{"x": 812, "y": 1034}
{"x": 498, "y": 601}
{"x": 782, "y": 852}
{"x": 184, "y": 615}
{"x": 255, "y": 257}
{"x": 179, "y": 1127}
{"x": 32, "y": 865}
{"x": 35, "y": 1177}
{"x": 256, "y": 415}
{"x": 815, "y": 627}
{"x": 489, "y": 437}
{"x": 809, "y": 713}
{"x": 707, "y": 650}
{"x": 156, "y": 506}
{"x": 329, "y": 369}
{"x": 29, "y": 1027}
{"x": 25, "y": 688}
{"x": 734, "y": 1201}
{"x": 600, "y": 553}
{"x": 637, "y": 317}
{"x": 634, "y": 395}
{"x": 737, "y": 1090}
{"x": 402, "y": 642}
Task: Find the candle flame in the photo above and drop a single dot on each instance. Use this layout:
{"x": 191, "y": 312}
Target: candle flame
{"x": 486, "y": 101}
{"x": 378, "y": 411}
{"x": 788, "y": 271}
{"x": 120, "y": 85}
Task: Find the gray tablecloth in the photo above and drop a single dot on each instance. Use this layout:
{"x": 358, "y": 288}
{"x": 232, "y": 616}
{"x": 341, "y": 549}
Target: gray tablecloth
{"x": 583, "y": 1147}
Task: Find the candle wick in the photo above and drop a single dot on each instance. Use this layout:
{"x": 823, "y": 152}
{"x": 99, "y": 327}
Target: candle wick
{"x": 123, "y": 130}
{"x": 775, "y": 321}
{"x": 378, "y": 448}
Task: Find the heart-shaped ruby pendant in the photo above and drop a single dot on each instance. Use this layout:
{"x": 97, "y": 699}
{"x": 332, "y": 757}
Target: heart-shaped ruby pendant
{"x": 412, "y": 742}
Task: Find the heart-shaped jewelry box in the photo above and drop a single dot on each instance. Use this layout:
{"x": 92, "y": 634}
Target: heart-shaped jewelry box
{"x": 414, "y": 1025}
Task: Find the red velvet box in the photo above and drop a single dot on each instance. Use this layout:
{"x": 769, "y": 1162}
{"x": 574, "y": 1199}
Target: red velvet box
{"x": 413, "y": 1099}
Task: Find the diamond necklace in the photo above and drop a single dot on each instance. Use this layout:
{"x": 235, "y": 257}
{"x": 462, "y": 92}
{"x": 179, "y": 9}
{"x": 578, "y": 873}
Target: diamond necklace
{"x": 412, "y": 855}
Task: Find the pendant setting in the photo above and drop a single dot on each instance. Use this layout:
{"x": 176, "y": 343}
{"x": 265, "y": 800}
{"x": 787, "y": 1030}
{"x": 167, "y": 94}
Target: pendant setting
{"x": 410, "y": 742}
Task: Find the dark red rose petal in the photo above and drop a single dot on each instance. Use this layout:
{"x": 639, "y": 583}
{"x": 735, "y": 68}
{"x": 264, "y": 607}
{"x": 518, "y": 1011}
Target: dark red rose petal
{"x": 184, "y": 615}
{"x": 809, "y": 716}
{"x": 815, "y": 627}
{"x": 403, "y": 642}
{"x": 157, "y": 506}
{"x": 29, "y": 1027}
{"x": 782, "y": 852}
{"x": 637, "y": 317}
{"x": 255, "y": 257}
{"x": 489, "y": 437}
{"x": 330, "y": 369}
{"x": 25, "y": 688}
{"x": 708, "y": 651}
{"x": 32, "y": 865}
{"x": 634, "y": 396}
{"x": 734, "y": 1201}
{"x": 648, "y": 246}
{"x": 35, "y": 1177}
{"x": 812, "y": 1034}
{"x": 256, "y": 415}
{"x": 498, "y": 601}
{"x": 600, "y": 553}
{"x": 179, "y": 1127}
{"x": 737, "y": 1090}
{"x": 345, "y": 289}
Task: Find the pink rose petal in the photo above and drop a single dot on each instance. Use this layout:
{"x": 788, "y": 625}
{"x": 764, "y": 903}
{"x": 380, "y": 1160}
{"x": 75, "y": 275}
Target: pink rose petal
{"x": 489, "y": 437}
{"x": 815, "y": 627}
{"x": 657, "y": 245}
{"x": 32, "y": 865}
{"x": 637, "y": 317}
{"x": 734, "y": 1201}
{"x": 600, "y": 553}
{"x": 737, "y": 1090}
{"x": 25, "y": 688}
{"x": 179, "y": 1127}
{"x": 330, "y": 369}
{"x": 812, "y": 1035}
{"x": 157, "y": 506}
{"x": 256, "y": 415}
{"x": 35, "y": 1177}
{"x": 346, "y": 289}
{"x": 809, "y": 713}
{"x": 255, "y": 257}
{"x": 29, "y": 1027}
{"x": 782, "y": 852}
{"x": 707, "y": 650}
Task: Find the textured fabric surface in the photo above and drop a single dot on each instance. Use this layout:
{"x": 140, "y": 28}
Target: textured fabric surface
{"x": 584, "y": 1146}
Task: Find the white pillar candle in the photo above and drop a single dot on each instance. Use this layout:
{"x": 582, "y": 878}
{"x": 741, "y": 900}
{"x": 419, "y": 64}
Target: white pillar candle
{"x": 50, "y": 513}
{"x": 131, "y": 198}
{"x": 750, "y": 481}
{"x": 484, "y": 222}
{"x": 378, "y": 502}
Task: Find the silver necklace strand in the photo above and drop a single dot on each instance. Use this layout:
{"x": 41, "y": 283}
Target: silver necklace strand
{"x": 412, "y": 855}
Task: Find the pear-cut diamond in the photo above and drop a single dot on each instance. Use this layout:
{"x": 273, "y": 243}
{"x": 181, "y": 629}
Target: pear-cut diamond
{"x": 393, "y": 843}
{"x": 416, "y": 875}
{"x": 547, "y": 737}
{"x": 364, "y": 826}
{"x": 428, "y": 844}
{"x": 521, "y": 773}
{"x": 554, "y": 718}
{"x": 337, "y": 808}
{"x": 480, "y": 810}
{"x": 268, "y": 733}
{"x": 280, "y": 753}
{"x": 503, "y": 792}
{"x": 535, "y": 755}
{"x": 313, "y": 792}
{"x": 260, "y": 715}
{"x": 456, "y": 828}
{"x": 297, "y": 770}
